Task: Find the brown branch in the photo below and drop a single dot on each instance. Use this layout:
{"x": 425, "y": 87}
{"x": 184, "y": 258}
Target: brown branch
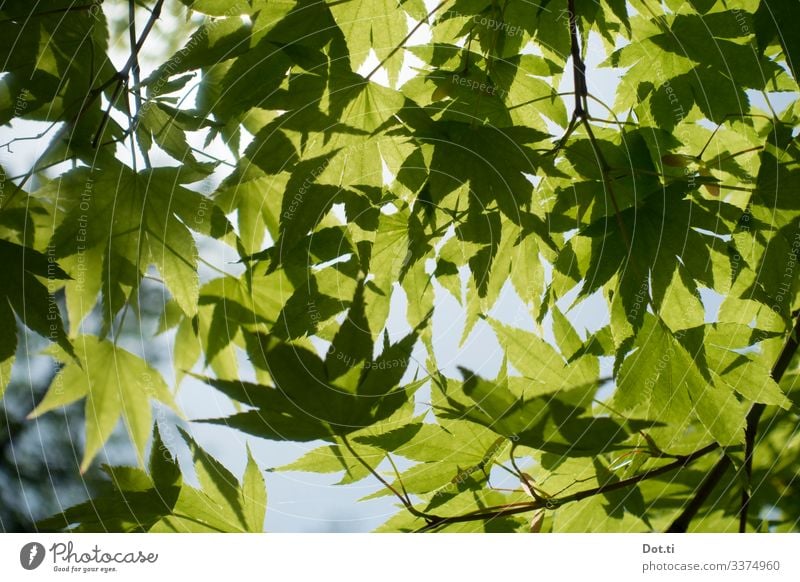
{"x": 676, "y": 464}
{"x": 137, "y": 90}
{"x": 573, "y": 123}
{"x": 681, "y": 523}
{"x": 553, "y": 503}
{"x": 39, "y": 135}
{"x": 35, "y": 169}
{"x": 122, "y": 76}
{"x": 27, "y": 175}
{"x": 135, "y": 67}
{"x": 580, "y": 91}
{"x": 578, "y": 65}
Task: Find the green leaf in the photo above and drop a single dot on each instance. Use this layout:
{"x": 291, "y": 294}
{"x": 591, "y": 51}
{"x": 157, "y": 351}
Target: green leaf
{"x": 388, "y": 256}
{"x": 161, "y": 502}
{"x": 222, "y": 504}
{"x": 335, "y": 459}
{"x": 492, "y": 159}
{"x": 747, "y": 375}
{"x": 223, "y": 7}
{"x": 567, "y": 338}
{"x": 132, "y": 501}
{"x": 5, "y": 373}
{"x": 140, "y": 218}
{"x": 116, "y": 383}
{"x": 554, "y": 423}
{"x": 662, "y": 380}
{"x": 213, "y": 42}
{"x": 372, "y": 25}
{"x": 540, "y": 363}
{"x": 351, "y": 347}
{"x": 305, "y": 403}
{"x": 22, "y": 293}
{"x": 770, "y": 22}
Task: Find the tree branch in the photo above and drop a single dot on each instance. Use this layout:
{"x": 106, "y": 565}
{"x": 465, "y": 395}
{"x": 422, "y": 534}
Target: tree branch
{"x": 39, "y": 135}
{"x": 554, "y": 502}
{"x": 135, "y": 67}
{"x": 681, "y": 523}
{"x": 137, "y": 90}
{"x": 578, "y": 65}
{"x": 122, "y": 76}
{"x": 579, "y": 111}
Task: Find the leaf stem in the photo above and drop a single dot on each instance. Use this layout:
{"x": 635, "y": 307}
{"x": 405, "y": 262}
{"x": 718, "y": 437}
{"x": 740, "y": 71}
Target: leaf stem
{"x": 607, "y": 183}
{"x": 728, "y": 116}
{"x": 406, "y": 503}
{"x": 399, "y": 479}
{"x": 405, "y": 39}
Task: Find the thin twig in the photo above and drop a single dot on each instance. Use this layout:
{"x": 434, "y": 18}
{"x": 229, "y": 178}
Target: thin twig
{"x": 135, "y": 68}
{"x": 609, "y": 110}
{"x": 607, "y": 183}
{"x": 39, "y": 135}
{"x": 737, "y": 154}
{"x": 573, "y": 123}
{"x": 212, "y": 157}
{"x": 122, "y": 76}
{"x": 579, "y": 112}
{"x": 107, "y": 115}
{"x": 137, "y": 91}
{"x": 399, "y": 478}
{"x": 524, "y": 477}
{"x": 719, "y": 125}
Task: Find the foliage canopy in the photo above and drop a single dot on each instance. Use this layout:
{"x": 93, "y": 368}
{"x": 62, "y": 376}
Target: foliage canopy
{"x": 391, "y": 174}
